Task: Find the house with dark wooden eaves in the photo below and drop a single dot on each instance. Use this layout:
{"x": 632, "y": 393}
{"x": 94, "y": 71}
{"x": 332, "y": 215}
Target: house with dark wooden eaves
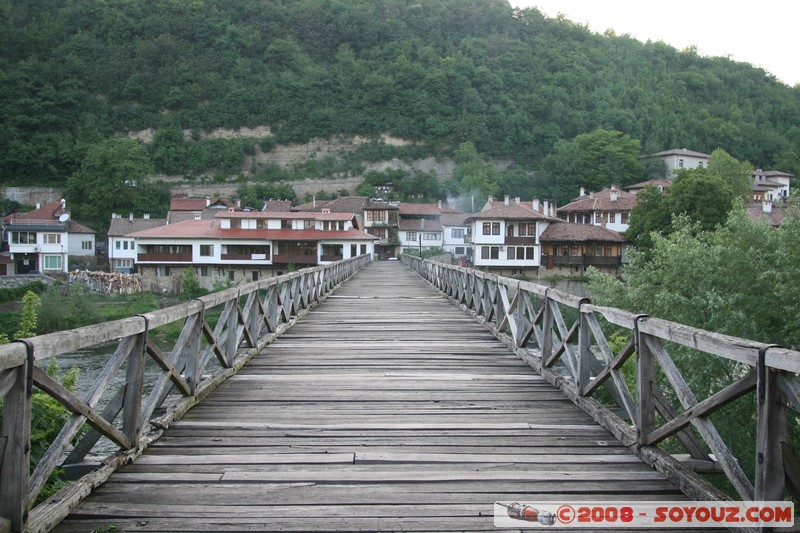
{"x": 609, "y": 208}
{"x": 569, "y": 249}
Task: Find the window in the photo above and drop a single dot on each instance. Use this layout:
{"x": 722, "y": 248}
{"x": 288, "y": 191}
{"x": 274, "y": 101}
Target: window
{"x": 495, "y": 228}
{"x": 52, "y": 262}
{"x": 623, "y": 218}
{"x": 378, "y": 232}
{"x": 118, "y": 245}
{"x": 124, "y": 245}
{"x": 52, "y": 238}
{"x": 680, "y": 163}
{"x": 511, "y": 253}
{"x": 532, "y": 229}
{"x": 457, "y": 233}
{"x": 487, "y": 228}
{"x": 612, "y": 218}
{"x": 411, "y": 235}
{"x": 529, "y": 253}
{"x": 459, "y": 250}
{"x": 363, "y": 249}
{"x": 523, "y": 230}
{"x": 352, "y": 250}
{"x": 376, "y": 216}
{"x": 163, "y": 271}
{"x": 23, "y": 237}
{"x": 123, "y": 263}
{"x": 206, "y": 250}
{"x": 490, "y": 252}
{"x": 308, "y": 224}
{"x": 430, "y": 237}
{"x": 86, "y": 245}
{"x": 204, "y": 271}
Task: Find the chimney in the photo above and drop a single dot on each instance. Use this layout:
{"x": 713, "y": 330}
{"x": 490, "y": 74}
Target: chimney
{"x": 146, "y": 216}
{"x": 38, "y": 205}
{"x": 507, "y": 200}
{"x": 613, "y": 187}
{"x": 114, "y": 215}
{"x": 535, "y": 204}
{"x": 208, "y": 201}
{"x": 63, "y": 205}
{"x": 517, "y": 200}
{"x": 583, "y": 192}
{"x": 130, "y": 217}
{"x": 439, "y": 203}
{"x": 553, "y": 209}
{"x": 546, "y": 207}
{"x": 766, "y": 207}
{"x": 614, "y": 195}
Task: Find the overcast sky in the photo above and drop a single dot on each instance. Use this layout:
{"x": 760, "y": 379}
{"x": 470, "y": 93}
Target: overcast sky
{"x": 763, "y": 33}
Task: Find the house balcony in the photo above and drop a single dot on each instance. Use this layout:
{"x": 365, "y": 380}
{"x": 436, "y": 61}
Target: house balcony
{"x": 294, "y": 259}
{"x": 520, "y": 241}
{"x": 244, "y": 257}
{"x": 583, "y": 260}
{"x": 164, "y": 258}
{"x": 52, "y": 226}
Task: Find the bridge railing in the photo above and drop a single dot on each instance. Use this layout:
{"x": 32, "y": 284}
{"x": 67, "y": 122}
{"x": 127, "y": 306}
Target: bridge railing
{"x": 219, "y": 333}
{"x": 647, "y": 403}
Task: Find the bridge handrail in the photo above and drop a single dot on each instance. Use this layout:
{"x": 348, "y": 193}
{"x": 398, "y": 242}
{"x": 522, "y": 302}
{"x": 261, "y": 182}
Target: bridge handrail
{"x": 578, "y": 359}
{"x": 206, "y": 352}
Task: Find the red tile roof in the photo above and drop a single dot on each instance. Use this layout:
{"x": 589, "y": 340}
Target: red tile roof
{"x": 185, "y": 203}
{"x": 46, "y": 212}
{"x": 210, "y": 229}
{"x": 601, "y": 201}
{"x": 285, "y": 215}
{"x": 569, "y": 232}
{"x": 513, "y": 211}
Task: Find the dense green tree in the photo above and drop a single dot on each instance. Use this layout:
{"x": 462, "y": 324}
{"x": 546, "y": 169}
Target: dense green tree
{"x": 737, "y": 175}
{"x": 593, "y": 160}
{"x": 703, "y": 197}
{"x": 650, "y": 215}
{"x": 113, "y": 177}
{"x": 472, "y": 176}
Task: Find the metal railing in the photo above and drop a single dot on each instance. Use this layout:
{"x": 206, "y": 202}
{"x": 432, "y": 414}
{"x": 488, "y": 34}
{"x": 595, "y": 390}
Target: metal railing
{"x": 582, "y": 348}
{"x": 220, "y": 333}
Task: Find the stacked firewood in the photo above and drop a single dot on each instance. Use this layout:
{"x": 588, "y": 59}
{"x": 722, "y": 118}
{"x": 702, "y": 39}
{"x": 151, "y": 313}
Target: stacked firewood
{"x": 108, "y": 282}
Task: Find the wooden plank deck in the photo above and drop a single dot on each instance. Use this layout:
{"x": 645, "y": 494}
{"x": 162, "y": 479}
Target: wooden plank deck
{"x": 385, "y": 409}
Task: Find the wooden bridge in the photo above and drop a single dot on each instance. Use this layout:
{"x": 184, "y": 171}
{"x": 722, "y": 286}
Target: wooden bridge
{"x": 382, "y": 406}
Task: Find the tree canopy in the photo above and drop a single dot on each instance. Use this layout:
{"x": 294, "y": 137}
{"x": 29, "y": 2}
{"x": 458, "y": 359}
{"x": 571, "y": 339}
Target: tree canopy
{"x": 516, "y": 84}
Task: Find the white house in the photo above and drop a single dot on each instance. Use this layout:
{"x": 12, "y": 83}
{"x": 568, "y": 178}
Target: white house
{"x": 505, "y": 235}
{"x": 770, "y": 185}
{"x": 43, "y": 240}
{"x": 242, "y": 246}
{"x": 456, "y": 233}
{"x": 679, "y": 159}
{"x": 121, "y": 246}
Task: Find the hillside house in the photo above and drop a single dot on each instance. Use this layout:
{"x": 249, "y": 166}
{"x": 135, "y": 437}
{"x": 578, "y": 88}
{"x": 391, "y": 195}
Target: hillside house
{"x": 505, "y": 235}
{"x": 770, "y": 186}
{"x": 679, "y": 159}
{"x": 456, "y": 235}
{"x": 241, "y": 246}
{"x": 381, "y": 219}
{"x": 421, "y": 225}
{"x": 190, "y": 208}
{"x": 43, "y": 240}
{"x": 121, "y": 246}
{"x": 609, "y": 208}
{"x": 569, "y": 249}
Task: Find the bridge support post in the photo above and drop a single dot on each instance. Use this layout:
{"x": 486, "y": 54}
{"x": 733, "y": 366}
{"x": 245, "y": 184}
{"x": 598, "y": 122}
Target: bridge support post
{"x": 771, "y": 433}
{"x": 645, "y": 378}
{"x": 15, "y": 444}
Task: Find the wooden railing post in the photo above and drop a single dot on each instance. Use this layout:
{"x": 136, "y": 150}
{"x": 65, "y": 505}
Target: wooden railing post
{"x": 134, "y": 379}
{"x": 645, "y": 378}
{"x": 770, "y": 433}
{"x": 15, "y": 443}
{"x": 546, "y": 348}
{"x": 584, "y": 352}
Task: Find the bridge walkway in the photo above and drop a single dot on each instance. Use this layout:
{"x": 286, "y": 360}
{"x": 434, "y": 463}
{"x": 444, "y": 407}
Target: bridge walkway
{"x": 384, "y": 409}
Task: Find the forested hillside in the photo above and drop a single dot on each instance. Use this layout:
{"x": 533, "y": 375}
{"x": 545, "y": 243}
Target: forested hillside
{"x": 440, "y": 72}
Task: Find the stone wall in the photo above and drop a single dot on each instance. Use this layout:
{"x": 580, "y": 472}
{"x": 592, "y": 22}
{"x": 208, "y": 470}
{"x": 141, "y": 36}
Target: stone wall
{"x": 32, "y": 195}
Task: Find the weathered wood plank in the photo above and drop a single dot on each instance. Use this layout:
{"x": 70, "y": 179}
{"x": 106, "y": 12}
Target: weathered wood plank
{"x": 385, "y": 408}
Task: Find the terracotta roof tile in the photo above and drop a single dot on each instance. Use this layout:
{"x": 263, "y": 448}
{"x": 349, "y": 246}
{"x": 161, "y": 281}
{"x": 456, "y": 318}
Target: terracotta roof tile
{"x": 513, "y": 211}
{"x": 210, "y": 229}
{"x": 601, "y": 201}
{"x": 124, "y": 226}
{"x": 567, "y": 231}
